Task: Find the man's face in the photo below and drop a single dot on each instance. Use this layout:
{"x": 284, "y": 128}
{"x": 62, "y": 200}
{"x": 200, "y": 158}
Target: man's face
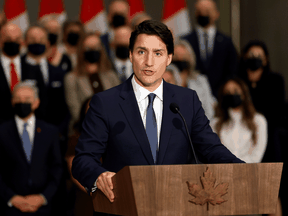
{"x": 149, "y": 59}
{"x": 25, "y": 95}
{"x": 36, "y": 35}
{"x": 11, "y": 33}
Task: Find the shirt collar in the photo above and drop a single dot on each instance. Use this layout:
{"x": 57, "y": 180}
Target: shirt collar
{"x": 210, "y": 31}
{"x": 30, "y": 121}
{"x": 120, "y": 63}
{"x": 32, "y": 61}
{"x": 141, "y": 93}
{"x": 7, "y": 60}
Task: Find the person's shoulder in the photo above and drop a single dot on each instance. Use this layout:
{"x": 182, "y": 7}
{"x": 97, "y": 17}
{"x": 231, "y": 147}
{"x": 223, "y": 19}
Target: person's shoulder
{"x": 189, "y": 36}
{"x": 259, "y": 119}
{"x": 179, "y": 89}
{"x": 42, "y": 125}
{"x": 6, "y": 125}
{"x": 72, "y": 75}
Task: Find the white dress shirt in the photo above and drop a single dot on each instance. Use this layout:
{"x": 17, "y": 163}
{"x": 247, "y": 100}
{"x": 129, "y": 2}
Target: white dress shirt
{"x": 43, "y": 67}
{"x": 128, "y": 66}
{"x": 237, "y": 137}
{"x": 30, "y": 127}
{"x": 7, "y": 69}
{"x": 211, "y": 33}
{"x": 141, "y": 95}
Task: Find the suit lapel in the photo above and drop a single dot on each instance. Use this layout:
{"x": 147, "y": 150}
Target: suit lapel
{"x": 131, "y": 111}
{"x": 3, "y": 80}
{"x": 37, "y": 141}
{"x": 166, "y": 126}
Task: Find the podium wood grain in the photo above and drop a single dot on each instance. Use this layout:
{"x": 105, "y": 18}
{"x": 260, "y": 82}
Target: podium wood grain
{"x": 162, "y": 190}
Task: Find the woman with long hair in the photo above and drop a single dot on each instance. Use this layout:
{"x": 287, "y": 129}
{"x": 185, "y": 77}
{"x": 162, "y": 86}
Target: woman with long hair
{"x": 241, "y": 129}
{"x": 184, "y": 58}
{"x": 267, "y": 91}
{"x": 93, "y": 74}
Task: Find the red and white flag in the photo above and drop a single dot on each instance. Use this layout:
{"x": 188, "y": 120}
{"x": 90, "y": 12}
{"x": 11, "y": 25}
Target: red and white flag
{"x": 93, "y": 16}
{"x": 52, "y": 9}
{"x": 15, "y": 12}
{"x": 176, "y": 17}
{"x": 136, "y": 6}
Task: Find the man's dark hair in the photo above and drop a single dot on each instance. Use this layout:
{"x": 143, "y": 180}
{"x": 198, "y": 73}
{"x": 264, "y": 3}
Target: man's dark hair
{"x": 153, "y": 27}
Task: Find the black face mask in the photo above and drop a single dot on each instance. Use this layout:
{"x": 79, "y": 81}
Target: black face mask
{"x": 253, "y": 63}
{"x": 11, "y": 48}
{"x": 122, "y": 52}
{"x": 92, "y": 56}
{"x": 118, "y": 20}
{"x": 231, "y": 101}
{"x": 36, "y": 49}
{"x": 73, "y": 38}
{"x": 52, "y": 38}
{"x": 203, "y": 20}
{"x": 182, "y": 65}
{"x": 22, "y": 109}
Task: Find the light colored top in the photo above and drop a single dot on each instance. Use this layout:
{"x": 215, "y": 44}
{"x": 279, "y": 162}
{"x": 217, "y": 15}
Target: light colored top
{"x": 202, "y": 87}
{"x": 238, "y": 138}
{"x": 211, "y": 33}
{"x": 141, "y": 95}
{"x": 78, "y": 89}
{"x": 43, "y": 67}
{"x": 7, "y": 69}
{"x": 128, "y": 65}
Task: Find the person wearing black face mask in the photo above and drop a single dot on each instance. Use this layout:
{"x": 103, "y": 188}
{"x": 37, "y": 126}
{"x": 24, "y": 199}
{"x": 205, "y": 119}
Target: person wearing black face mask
{"x": 216, "y": 55}
{"x": 53, "y": 108}
{"x": 12, "y": 67}
{"x": 121, "y": 59}
{"x": 184, "y": 59}
{"x": 241, "y": 129}
{"x": 267, "y": 91}
{"x": 92, "y": 75}
{"x": 54, "y": 54}
{"x": 25, "y": 141}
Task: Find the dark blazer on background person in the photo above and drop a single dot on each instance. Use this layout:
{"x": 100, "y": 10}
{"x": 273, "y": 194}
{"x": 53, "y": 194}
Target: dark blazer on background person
{"x": 17, "y": 176}
{"x": 53, "y": 97}
{"x": 113, "y": 129}
{"x": 27, "y": 72}
{"x": 223, "y": 62}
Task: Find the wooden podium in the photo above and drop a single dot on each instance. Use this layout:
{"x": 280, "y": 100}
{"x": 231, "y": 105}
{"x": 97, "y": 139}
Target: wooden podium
{"x": 222, "y": 189}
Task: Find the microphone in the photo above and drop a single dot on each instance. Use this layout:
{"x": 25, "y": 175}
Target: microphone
{"x": 175, "y": 109}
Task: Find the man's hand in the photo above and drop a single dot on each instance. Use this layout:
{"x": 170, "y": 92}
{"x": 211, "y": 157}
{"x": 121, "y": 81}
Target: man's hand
{"x": 20, "y": 203}
{"x": 104, "y": 183}
{"x": 35, "y": 201}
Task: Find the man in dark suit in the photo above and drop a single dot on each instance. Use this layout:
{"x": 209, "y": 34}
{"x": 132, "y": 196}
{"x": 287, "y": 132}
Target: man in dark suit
{"x": 12, "y": 69}
{"x": 56, "y": 110}
{"x": 120, "y": 52}
{"x": 215, "y": 53}
{"x": 30, "y": 158}
{"x": 53, "y": 103}
{"x": 132, "y": 124}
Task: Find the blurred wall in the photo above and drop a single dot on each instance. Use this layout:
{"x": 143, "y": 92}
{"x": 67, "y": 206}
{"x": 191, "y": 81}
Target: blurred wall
{"x": 266, "y": 20}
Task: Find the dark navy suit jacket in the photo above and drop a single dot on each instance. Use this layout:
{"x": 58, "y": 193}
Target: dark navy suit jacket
{"x": 113, "y": 129}
{"x": 223, "y": 63}
{"x": 17, "y": 176}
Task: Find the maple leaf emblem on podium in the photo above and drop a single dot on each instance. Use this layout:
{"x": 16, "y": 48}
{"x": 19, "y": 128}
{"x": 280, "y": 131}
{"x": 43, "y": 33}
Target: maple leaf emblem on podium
{"x": 209, "y": 193}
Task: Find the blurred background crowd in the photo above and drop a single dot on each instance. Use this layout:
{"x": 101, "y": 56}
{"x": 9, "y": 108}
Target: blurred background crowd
{"x": 51, "y": 67}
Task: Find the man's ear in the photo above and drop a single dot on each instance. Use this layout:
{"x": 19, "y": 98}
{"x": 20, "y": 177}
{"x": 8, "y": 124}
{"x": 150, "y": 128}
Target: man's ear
{"x": 35, "y": 104}
{"x": 169, "y": 59}
{"x": 130, "y": 55}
